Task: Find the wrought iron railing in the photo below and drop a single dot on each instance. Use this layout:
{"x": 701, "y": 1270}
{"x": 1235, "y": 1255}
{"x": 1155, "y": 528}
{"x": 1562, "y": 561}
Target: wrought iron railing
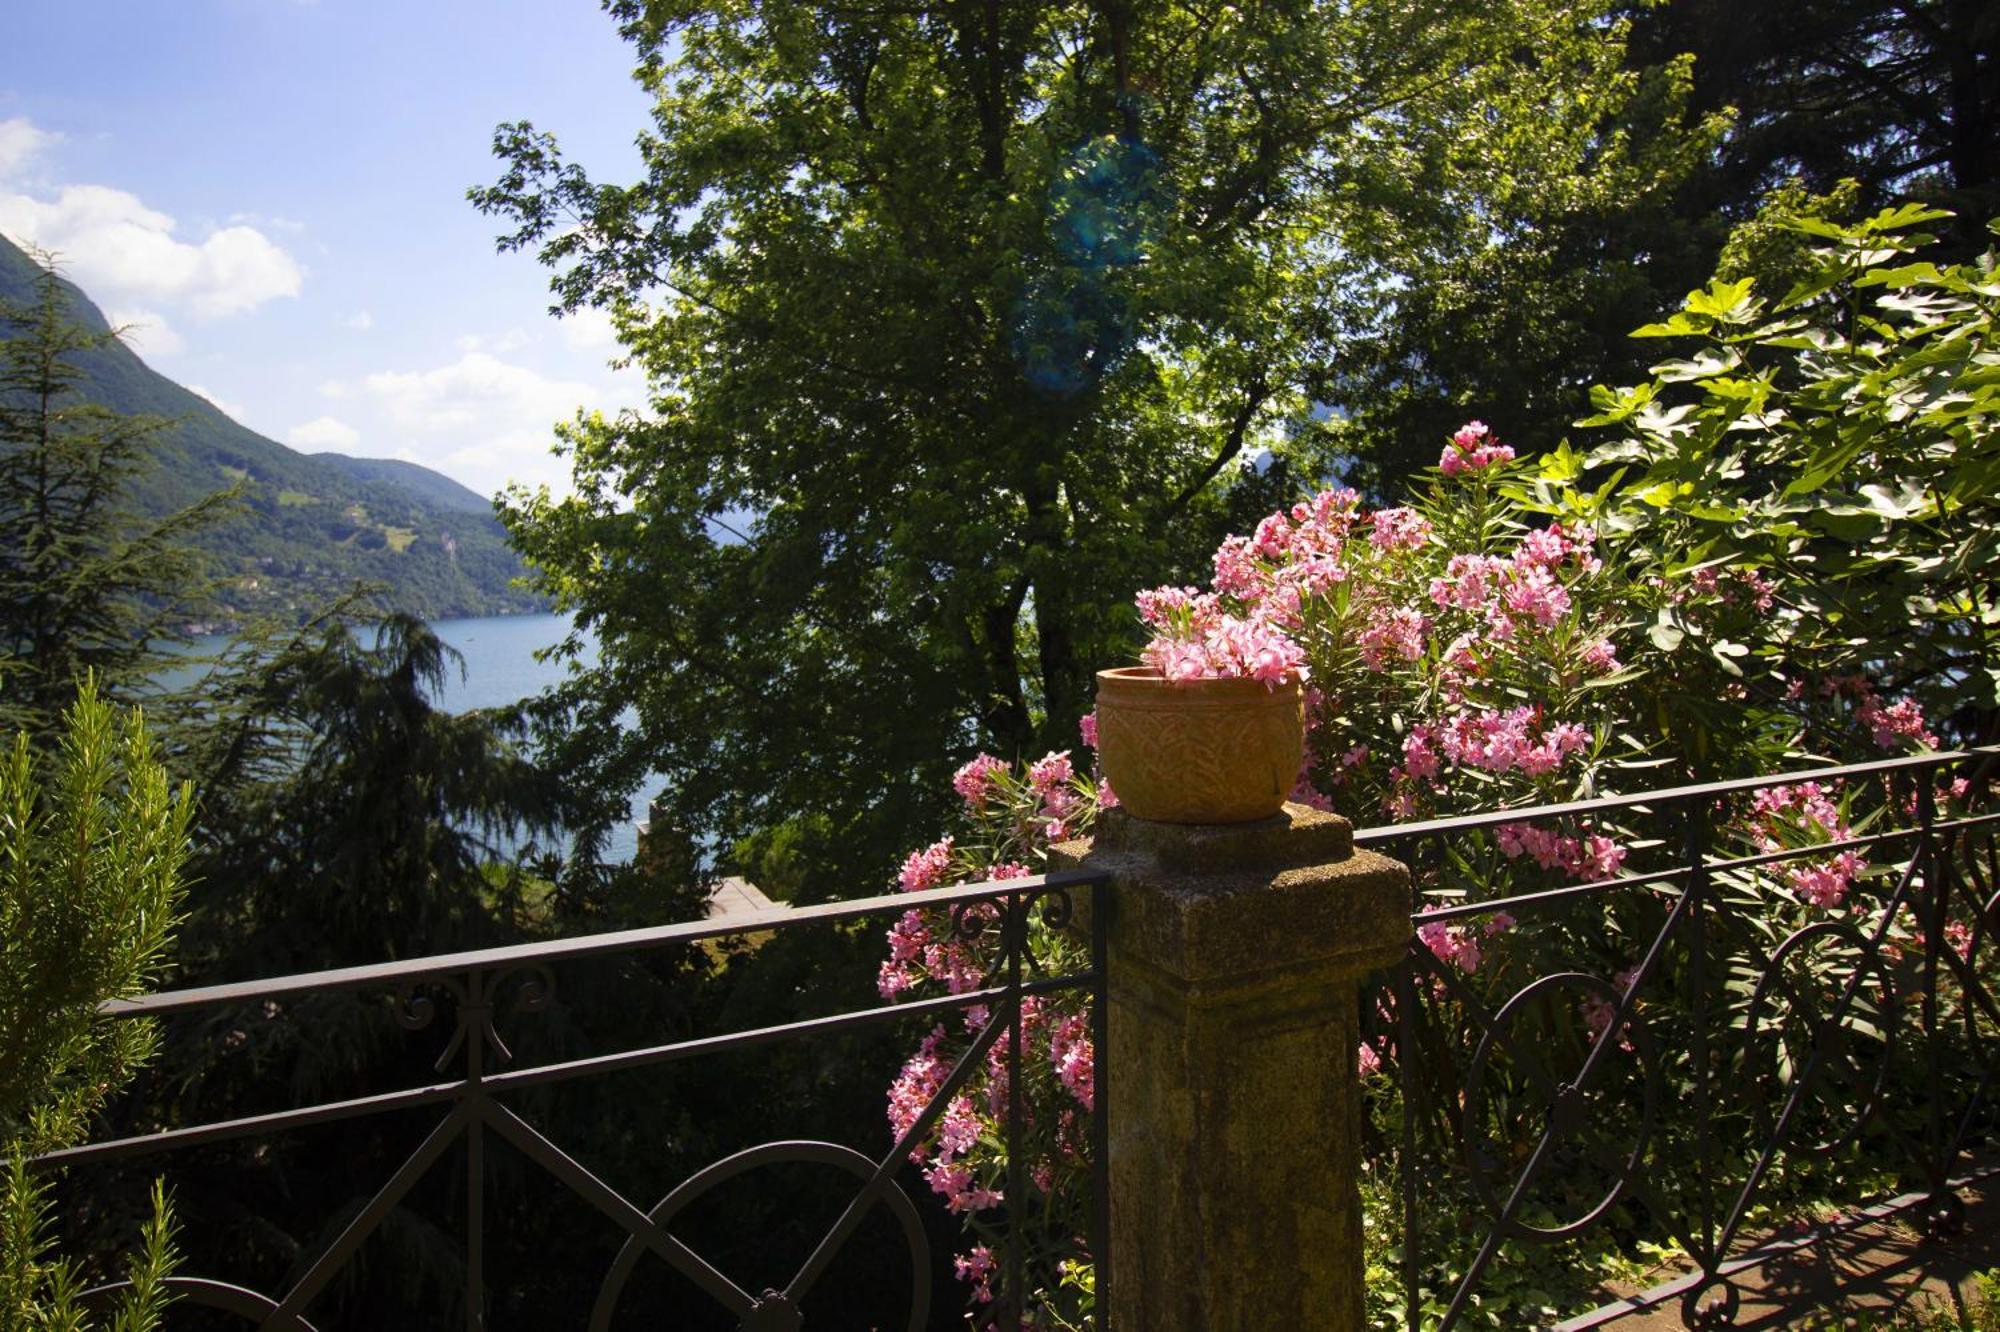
{"x": 1759, "y": 1049}
{"x": 463, "y": 1003}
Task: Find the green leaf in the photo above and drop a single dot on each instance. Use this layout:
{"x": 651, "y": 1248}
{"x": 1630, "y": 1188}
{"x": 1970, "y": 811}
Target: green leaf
{"x": 1729, "y": 302}
{"x": 1896, "y": 505}
{"x": 1908, "y": 275}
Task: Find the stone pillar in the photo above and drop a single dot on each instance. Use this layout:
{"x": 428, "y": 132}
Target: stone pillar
{"x": 1235, "y": 953}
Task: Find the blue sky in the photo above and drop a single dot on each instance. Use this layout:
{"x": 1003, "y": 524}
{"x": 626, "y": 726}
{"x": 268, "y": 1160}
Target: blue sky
{"x": 274, "y": 192}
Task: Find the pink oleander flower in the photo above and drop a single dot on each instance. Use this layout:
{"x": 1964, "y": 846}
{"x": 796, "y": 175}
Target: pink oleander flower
{"x": 1491, "y": 741}
{"x": 1317, "y": 576}
{"x": 978, "y": 1269}
{"x": 1176, "y": 660}
{"x": 1601, "y": 657}
{"x": 1598, "y": 1011}
{"x": 1472, "y": 449}
{"x": 1087, "y": 728}
{"x": 1051, "y": 773}
{"x": 1273, "y": 539}
{"x": 1602, "y": 858}
{"x": 1400, "y": 529}
{"x": 1451, "y": 944}
{"x": 1236, "y": 572}
{"x": 1420, "y": 761}
{"x": 1305, "y": 793}
{"x": 1160, "y": 606}
{"x": 974, "y": 782}
{"x": 1762, "y": 591}
{"x": 958, "y": 1130}
{"x": 1825, "y": 883}
{"x": 953, "y": 963}
{"x": 908, "y": 936}
{"x": 1106, "y": 797}
{"x": 1890, "y": 727}
{"x": 1531, "y": 592}
{"x": 1073, "y": 1056}
{"x": 1231, "y": 647}
{"x": 921, "y": 1076}
{"x": 1543, "y": 547}
{"x": 927, "y": 868}
{"x": 1008, "y": 869}
{"x": 1467, "y": 583}
{"x": 1398, "y": 634}
{"x": 1586, "y": 859}
{"x": 1808, "y": 804}
{"x": 960, "y": 1189}
{"x": 1367, "y": 1062}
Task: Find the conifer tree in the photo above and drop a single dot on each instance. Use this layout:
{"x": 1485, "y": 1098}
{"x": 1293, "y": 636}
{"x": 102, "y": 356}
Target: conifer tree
{"x": 86, "y": 583}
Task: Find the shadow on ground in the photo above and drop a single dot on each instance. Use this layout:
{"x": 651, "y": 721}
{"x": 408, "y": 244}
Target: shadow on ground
{"x": 1863, "y": 1277}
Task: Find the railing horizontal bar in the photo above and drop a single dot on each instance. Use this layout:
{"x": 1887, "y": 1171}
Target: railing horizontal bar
{"x": 386, "y": 1102}
{"x": 223, "y": 1130}
{"x": 1374, "y": 837}
{"x": 416, "y": 970}
{"x": 1546, "y": 897}
{"x": 1767, "y": 1252}
{"x": 737, "y": 1040}
{"x": 1554, "y": 895}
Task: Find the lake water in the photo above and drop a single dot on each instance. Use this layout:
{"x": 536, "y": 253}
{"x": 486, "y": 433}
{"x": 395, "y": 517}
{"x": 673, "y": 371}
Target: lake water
{"x": 500, "y": 668}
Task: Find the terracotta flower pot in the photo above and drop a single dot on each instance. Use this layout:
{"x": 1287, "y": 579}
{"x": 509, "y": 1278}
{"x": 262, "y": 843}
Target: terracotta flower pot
{"x": 1198, "y": 751}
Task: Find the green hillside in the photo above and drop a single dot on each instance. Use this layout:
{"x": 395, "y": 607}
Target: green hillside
{"x": 433, "y": 488}
{"x": 314, "y": 523}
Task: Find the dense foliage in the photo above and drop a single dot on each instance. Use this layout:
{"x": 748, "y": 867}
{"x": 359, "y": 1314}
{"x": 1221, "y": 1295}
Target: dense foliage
{"x": 941, "y": 304}
{"x": 93, "y": 840}
{"x": 1837, "y": 436}
{"x": 1897, "y": 100}
{"x": 1900, "y": 96}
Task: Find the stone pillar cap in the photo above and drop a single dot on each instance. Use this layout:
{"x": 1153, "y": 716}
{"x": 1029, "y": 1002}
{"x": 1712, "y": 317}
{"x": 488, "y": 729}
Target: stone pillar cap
{"x": 1296, "y": 835}
{"x": 1220, "y": 902}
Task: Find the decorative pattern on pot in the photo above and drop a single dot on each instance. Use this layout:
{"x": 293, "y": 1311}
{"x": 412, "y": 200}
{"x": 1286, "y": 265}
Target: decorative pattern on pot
{"x": 1214, "y": 750}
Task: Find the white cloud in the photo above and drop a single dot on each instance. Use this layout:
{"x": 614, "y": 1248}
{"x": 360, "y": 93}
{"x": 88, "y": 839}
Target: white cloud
{"x": 483, "y": 420}
{"x": 148, "y": 332}
{"x": 114, "y": 246}
{"x": 322, "y": 433}
{"x": 589, "y": 329}
{"x": 229, "y": 409}
{"x": 125, "y": 253}
{"x": 20, "y": 142}
{"x": 512, "y": 340}
{"x": 360, "y": 321}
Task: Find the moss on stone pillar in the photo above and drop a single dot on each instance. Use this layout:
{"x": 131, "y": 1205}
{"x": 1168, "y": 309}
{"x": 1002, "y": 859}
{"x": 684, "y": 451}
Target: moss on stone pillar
{"x": 1235, "y": 956}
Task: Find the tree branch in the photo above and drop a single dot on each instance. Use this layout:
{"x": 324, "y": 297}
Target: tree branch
{"x": 1258, "y": 394}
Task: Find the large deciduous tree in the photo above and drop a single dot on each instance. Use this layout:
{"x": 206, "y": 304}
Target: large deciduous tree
{"x": 962, "y": 319}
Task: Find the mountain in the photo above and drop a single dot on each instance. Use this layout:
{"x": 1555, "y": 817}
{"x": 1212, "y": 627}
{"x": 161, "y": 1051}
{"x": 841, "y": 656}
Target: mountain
{"x": 313, "y": 524}
{"x": 434, "y": 488}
